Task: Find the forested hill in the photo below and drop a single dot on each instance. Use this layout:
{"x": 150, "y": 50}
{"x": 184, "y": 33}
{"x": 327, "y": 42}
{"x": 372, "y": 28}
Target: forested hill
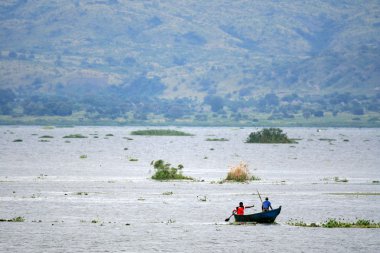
{"x": 191, "y": 61}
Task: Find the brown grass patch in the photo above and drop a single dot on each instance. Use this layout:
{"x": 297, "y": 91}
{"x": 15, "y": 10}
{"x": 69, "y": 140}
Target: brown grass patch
{"x": 240, "y": 173}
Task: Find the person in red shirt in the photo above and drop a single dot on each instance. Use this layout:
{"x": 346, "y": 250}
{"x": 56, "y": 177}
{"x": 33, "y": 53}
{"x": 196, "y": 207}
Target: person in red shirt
{"x": 240, "y": 209}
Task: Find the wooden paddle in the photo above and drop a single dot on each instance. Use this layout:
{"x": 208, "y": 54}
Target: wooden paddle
{"x": 260, "y": 197}
{"x": 228, "y": 218}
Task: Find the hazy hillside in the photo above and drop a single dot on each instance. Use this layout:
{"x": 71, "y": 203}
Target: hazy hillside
{"x": 116, "y": 52}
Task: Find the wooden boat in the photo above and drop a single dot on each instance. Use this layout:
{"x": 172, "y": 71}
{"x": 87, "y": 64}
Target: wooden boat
{"x": 263, "y": 217}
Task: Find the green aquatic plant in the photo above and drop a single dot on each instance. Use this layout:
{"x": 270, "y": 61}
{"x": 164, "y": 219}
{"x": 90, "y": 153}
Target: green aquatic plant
{"x": 340, "y": 180}
{"x": 355, "y": 193}
{"x": 217, "y": 139}
{"x": 269, "y": 135}
{"x": 83, "y": 156}
{"x": 16, "y": 219}
{"x": 74, "y": 136}
{"x": 45, "y": 137}
{"x": 167, "y": 193}
{"x": 160, "y": 132}
{"x": 327, "y": 139}
{"x": 133, "y": 159}
{"x": 164, "y": 171}
{"x": 82, "y": 193}
{"x": 337, "y": 223}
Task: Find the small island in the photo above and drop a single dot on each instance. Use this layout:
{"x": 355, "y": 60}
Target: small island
{"x": 164, "y": 171}
{"x": 269, "y": 135}
{"x": 160, "y": 132}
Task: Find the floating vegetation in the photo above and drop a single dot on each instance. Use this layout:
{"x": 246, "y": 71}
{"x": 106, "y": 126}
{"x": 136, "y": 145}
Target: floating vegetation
{"x": 355, "y": 193}
{"x": 75, "y": 136}
{"x": 202, "y": 198}
{"x": 82, "y": 193}
{"x": 326, "y": 139}
{"x": 375, "y": 182}
{"x": 17, "y": 140}
{"x": 167, "y": 193}
{"x": 16, "y": 219}
{"x": 95, "y": 221}
{"x": 217, "y": 139}
{"x": 133, "y": 159}
{"x": 83, "y": 156}
{"x": 160, "y": 132}
{"x": 46, "y": 137}
{"x": 269, "y": 135}
{"x": 164, "y": 171}
{"x": 127, "y": 138}
{"x": 337, "y": 223}
{"x": 340, "y": 180}
{"x": 240, "y": 173}
{"x": 109, "y": 134}
{"x": 47, "y": 127}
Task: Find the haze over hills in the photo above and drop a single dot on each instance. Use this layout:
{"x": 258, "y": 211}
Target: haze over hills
{"x": 184, "y": 60}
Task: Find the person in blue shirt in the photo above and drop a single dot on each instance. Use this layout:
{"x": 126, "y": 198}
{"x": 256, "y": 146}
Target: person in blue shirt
{"x": 266, "y": 205}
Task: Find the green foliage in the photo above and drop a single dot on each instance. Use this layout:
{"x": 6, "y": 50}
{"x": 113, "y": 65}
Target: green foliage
{"x": 269, "y": 135}
{"x": 216, "y": 139}
{"x": 334, "y": 223}
{"x": 83, "y": 156}
{"x": 16, "y": 219}
{"x": 164, "y": 171}
{"x": 340, "y": 180}
{"x": 160, "y": 132}
{"x": 75, "y": 136}
{"x": 46, "y": 137}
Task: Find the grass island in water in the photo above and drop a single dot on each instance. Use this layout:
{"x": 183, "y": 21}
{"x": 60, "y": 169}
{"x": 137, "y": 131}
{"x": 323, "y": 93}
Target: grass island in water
{"x": 337, "y": 223}
{"x": 164, "y": 171}
{"x": 269, "y": 135}
{"x": 160, "y": 132}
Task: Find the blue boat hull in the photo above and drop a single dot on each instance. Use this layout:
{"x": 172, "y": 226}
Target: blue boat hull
{"x": 263, "y": 217}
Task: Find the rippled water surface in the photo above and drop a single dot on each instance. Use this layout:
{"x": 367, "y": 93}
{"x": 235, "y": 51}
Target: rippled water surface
{"x": 107, "y": 203}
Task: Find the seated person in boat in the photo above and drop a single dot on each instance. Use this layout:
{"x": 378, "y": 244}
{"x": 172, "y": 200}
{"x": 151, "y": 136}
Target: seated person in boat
{"x": 240, "y": 209}
{"x": 266, "y": 205}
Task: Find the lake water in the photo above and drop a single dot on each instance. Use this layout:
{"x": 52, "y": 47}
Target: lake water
{"x": 43, "y": 182}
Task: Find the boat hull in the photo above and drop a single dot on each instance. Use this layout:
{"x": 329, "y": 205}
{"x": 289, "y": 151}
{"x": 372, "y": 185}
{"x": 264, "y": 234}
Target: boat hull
{"x": 263, "y": 217}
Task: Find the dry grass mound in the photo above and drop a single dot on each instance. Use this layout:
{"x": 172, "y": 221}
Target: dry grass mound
{"x": 240, "y": 173}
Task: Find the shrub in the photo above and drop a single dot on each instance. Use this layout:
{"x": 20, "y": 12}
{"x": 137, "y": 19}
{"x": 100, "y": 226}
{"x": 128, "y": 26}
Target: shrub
{"x": 269, "y": 135}
{"x": 164, "y": 171}
{"x": 240, "y": 173}
{"x": 160, "y": 132}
